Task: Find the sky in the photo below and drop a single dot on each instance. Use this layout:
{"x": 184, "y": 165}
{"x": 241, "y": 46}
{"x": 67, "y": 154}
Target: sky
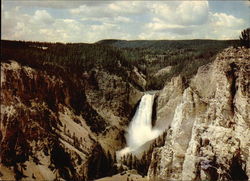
{"x": 91, "y": 21}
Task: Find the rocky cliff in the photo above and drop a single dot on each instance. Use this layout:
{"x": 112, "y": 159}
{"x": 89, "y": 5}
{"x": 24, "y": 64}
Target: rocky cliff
{"x": 209, "y": 125}
{"x": 53, "y": 125}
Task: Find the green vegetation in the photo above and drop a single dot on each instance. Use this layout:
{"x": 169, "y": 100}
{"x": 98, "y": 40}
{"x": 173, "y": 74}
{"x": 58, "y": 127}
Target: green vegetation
{"x": 184, "y": 56}
{"x": 118, "y": 56}
{"x": 64, "y": 165}
{"x": 101, "y": 163}
{"x": 63, "y": 57}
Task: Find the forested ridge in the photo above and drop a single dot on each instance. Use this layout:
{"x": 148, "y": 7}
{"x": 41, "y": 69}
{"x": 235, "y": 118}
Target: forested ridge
{"x": 184, "y": 56}
{"x": 75, "y": 57}
{"x": 118, "y": 56}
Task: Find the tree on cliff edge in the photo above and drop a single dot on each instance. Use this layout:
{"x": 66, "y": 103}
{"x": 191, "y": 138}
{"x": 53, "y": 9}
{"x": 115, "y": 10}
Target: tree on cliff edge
{"x": 245, "y": 38}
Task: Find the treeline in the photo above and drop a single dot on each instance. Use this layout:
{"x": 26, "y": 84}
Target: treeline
{"x": 101, "y": 163}
{"x": 164, "y": 45}
{"x": 118, "y": 57}
{"x": 184, "y": 62}
{"x": 56, "y": 57}
{"x": 184, "y": 56}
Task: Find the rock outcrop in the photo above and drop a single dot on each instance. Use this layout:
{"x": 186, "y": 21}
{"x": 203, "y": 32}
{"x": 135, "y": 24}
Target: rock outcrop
{"x": 163, "y": 71}
{"x": 166, "y": 102}
{"x": 52, "y": 124}
{"x": 209, "y": 134}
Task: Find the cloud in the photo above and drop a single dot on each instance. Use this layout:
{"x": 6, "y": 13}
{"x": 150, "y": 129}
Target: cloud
{"x": 182, "y": 12}
{"x": 122, "y": 19}
{"x": 91, "y": 12}
{"x": 58, "y": 4}
{"x": 225, "y": 20}
{"x": 224, "y": 26}
{"x": 127, "y": 7}
{"x": 90, "y": 21}
{"x": 247, "y": 2}
{"x": 42, "y": 26}
{"x": 110, "y": 9}
{"x": 188, "y": 20}
{"x": 193, "y": 12}
{"x": 161, "y": 25}
{"x": 42, "y": 16}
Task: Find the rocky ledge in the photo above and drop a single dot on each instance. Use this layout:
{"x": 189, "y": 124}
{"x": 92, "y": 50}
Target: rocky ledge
{"x": 209, "y": 125}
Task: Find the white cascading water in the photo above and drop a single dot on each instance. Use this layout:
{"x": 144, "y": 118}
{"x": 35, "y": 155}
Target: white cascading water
{"x": 140, "y": 129}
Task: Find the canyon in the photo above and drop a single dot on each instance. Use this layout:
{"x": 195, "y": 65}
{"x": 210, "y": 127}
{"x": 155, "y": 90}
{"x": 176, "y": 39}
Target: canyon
{"x": 70, "y": 126}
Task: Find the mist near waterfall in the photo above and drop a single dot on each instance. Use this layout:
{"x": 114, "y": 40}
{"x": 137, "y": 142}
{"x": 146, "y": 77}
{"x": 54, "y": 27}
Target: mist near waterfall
{"x": 140, "y": 129}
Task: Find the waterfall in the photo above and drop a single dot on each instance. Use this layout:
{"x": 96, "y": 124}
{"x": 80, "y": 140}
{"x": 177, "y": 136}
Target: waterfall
{"x": 140, "y": 129}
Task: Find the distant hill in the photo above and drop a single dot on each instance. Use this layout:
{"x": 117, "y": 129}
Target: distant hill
{"x": 166, "y": 44}
{"x": 150, "y": 57}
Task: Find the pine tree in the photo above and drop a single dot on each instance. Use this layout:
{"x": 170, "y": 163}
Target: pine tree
{"x": 130, "y": 161}
{"x": 245, "y": 38}
{"x": 64, "y": 128}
